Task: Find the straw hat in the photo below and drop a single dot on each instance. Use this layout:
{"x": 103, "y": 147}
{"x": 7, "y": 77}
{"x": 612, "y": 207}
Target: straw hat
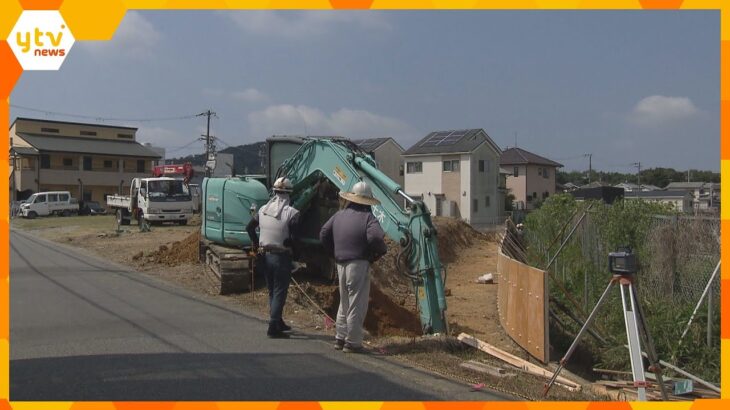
{"x": 361, "y": 194}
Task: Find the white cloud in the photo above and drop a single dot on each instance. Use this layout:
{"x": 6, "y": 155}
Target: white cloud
{"x": 250, "y": 95}
{"x": 135, "y": 37}
{"x": 174, "y": 143}
{"x": 657, "y": 110}
{"x": 301, "y": 119}
{"x": 301, "y": 24}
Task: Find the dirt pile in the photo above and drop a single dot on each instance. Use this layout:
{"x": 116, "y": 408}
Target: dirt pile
{"x": 180, "y": 252}
{"x": 453, "y": 236}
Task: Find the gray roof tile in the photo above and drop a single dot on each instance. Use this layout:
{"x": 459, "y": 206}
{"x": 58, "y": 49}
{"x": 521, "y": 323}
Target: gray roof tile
{"x": 87, "y": 145}
{"x": 452, "y": 141}
{"x": 513, "y": 156}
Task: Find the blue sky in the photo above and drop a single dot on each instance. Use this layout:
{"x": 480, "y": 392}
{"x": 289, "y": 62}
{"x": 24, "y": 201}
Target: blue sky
{"x": 626, "y": 86}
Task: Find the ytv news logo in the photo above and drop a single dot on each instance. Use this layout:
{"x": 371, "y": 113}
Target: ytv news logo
{"x": 40, "y": 40}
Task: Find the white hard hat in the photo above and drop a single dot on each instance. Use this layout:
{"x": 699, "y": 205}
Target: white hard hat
{"x": 361, "y": 194}
{"x": 283, "y": 185}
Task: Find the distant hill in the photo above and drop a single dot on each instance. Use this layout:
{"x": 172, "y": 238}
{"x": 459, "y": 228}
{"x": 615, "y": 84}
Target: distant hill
{"x": 246, "y": 158}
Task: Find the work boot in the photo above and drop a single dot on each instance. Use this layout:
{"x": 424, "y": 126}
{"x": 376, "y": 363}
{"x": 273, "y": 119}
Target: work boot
{"x": 348, "y": 348}
{"x": 339, "y": 344}
{"x": 275, "y": 332}
{"x": 283, "y": 326}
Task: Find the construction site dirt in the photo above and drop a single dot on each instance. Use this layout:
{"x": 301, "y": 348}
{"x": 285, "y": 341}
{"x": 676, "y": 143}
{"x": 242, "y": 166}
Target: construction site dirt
{"x": 171, "y": 254}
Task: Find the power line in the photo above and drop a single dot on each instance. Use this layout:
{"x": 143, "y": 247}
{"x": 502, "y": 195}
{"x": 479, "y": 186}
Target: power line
{"x": 172, "y": 149}
{"x": 102, "y": 119}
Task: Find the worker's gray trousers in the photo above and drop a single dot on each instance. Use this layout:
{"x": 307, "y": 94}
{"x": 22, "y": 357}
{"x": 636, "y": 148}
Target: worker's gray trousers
{"x": 354, "y": 295}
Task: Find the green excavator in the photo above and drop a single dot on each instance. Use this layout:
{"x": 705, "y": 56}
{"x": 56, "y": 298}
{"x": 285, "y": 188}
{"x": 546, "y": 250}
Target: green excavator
{"x": 320, "y": 167}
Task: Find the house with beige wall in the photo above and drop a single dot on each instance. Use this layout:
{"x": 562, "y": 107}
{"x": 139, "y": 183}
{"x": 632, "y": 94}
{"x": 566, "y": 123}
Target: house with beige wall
{"x": 88, "y": 160}
{"x": 387, "y": 154}
{"x": 456, "y": 174}
{"x": 532, "y": 177}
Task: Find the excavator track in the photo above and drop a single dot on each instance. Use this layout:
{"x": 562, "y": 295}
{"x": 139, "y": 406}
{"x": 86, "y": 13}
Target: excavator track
{"x": 231, "y": 267}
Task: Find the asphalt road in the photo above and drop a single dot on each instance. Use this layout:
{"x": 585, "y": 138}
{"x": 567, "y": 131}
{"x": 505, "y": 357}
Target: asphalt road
{"x": 82, "y": 328}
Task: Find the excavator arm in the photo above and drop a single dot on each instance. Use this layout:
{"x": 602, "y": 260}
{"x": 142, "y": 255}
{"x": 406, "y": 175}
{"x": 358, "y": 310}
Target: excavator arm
{"x": 343, "y": 164}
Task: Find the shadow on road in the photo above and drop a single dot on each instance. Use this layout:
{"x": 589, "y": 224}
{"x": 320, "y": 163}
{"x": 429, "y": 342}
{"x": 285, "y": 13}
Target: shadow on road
{"x": 190, "y": 376}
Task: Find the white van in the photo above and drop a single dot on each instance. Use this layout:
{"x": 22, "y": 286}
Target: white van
{"x": 49, "y": 203}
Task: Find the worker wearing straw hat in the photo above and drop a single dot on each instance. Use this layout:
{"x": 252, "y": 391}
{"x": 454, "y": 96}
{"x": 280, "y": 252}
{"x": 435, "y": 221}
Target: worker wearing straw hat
{"x": 355, "y": 238}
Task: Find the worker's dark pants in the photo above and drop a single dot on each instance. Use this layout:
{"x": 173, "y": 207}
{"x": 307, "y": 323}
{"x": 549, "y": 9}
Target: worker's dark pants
{"x": 278, "y": 274}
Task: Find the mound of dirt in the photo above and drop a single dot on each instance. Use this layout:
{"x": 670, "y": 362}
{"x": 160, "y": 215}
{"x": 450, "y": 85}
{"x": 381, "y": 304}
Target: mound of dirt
{"x": 453, "y": 236}
{"x": 180, "y": 252}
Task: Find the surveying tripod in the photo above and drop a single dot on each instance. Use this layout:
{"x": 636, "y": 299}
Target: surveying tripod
{"x": 635, "y": 327}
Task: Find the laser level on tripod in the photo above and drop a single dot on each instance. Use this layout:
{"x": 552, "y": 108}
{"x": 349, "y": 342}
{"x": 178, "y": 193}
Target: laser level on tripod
{"x": 622, "y": 265}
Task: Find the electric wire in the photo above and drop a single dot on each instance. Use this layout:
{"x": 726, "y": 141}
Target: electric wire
{"x": 102, "y": 118}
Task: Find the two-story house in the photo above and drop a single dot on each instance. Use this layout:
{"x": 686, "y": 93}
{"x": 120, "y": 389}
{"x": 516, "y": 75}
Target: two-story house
{"x": 532, "y": 178}
{"x": 456, "y": 174}
{"x": 88, "y": 160}
{"x": 387, "y": 153}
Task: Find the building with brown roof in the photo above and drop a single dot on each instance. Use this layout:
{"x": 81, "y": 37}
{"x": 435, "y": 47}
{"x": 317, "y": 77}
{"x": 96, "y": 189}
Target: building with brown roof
{"x": 532, "y": 178}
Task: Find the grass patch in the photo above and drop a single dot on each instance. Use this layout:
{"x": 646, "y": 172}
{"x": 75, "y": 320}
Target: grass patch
{"x": 101, "y": 222}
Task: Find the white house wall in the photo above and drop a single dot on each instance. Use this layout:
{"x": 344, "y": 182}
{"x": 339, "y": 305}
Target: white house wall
{"x": 427, "y": 183}
{"x": 483, "y": 184}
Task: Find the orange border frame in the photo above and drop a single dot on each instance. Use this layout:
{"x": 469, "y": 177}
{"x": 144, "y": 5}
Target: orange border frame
{"x": 98, "y": 19}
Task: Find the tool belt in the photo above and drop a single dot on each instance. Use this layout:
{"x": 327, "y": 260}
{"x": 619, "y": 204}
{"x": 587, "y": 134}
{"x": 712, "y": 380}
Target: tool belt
{"x": 274, "y": 250}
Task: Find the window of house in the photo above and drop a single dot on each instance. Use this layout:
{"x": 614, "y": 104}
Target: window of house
{"x": 486, "y": 201}
{"x": 516, "y": 172}
{"x": 140, "y": 165}
{"x": 481, "y": 165}
{"x": 529, "y": 198}
{"x": 51, "y": 130}
{"x": 534, "y": 195}
{"x": 400, "y": 170}
{"x": 545, "y": 194}
{"x": 68, "y": 162}
{"x": 90, "y": 133}
{"x": 451, "y": 166}
{"x": 475, "y": 205}
{"x": 539, "y": 171}
{"x": 414, "y": 167}
{"x": 26, "y": 163}
{"x": 107, "y": 163}
{"x": 45, "y": 161}
{"x": 126, "y": 136}
{"x": 545, "y": 173}
{"x": 87, "y": 163}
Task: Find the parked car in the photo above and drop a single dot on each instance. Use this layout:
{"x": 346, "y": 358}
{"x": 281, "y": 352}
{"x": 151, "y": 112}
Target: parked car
{"x": 49, "y": 203}
{"x": 91, "y": 208}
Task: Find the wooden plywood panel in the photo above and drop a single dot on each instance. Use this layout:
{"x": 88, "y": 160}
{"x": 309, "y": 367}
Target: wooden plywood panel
{"x": 537, "y": 337}
{"x": 522, "y": 302}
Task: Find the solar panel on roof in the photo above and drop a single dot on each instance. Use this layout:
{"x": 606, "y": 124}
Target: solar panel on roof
{"x": 442, "y": 134}
{"x": 459, "y": 133}
{"x": 449, "y": 141}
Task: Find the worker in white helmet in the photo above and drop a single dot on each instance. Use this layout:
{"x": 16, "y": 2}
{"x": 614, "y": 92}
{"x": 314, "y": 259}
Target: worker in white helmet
{"x": 356, "y": 239}
{"x": 277, "y": 222}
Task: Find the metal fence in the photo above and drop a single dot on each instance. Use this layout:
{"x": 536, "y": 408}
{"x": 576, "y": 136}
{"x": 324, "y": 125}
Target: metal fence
{"x": 677, "y": 258}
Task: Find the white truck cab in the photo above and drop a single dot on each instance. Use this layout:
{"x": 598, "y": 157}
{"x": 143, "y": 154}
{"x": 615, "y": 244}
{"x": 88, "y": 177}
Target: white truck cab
{"x": 159, "y": 199}
{"x": 49, "y": 203}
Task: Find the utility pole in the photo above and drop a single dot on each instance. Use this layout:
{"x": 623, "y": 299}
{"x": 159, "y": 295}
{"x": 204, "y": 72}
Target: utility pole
{"x": 209, "y": 144}
{"x": 590, "y": 166}
{"x": 638, "y": 173}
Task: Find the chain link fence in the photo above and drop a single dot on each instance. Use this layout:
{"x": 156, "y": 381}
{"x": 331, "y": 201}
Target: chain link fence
{"x": 677, "y": 255}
